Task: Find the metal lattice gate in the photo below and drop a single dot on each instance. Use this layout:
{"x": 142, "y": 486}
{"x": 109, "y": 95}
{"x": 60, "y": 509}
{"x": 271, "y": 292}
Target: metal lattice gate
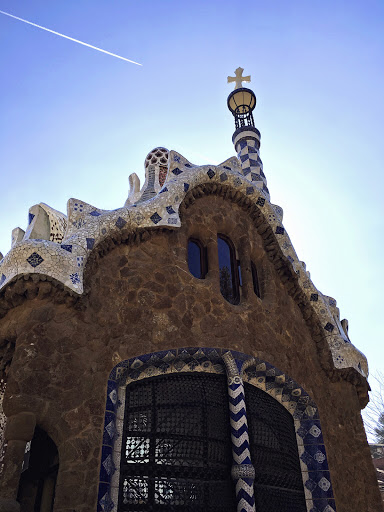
{"x": 278, "y": 480}
{"x": 176, "y": 453}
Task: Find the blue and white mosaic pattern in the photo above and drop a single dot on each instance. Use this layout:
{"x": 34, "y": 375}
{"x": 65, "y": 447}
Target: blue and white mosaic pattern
{"x": 311, "y": 449}
{"x": 63, "y": 255}
{"x": 251, "y": 164}
{"x": 243, "y": 471}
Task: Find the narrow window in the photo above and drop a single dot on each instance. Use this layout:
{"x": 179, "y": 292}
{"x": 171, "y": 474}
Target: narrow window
{"x": 255, "y": 279}
{"x": 229, "y": 280}
{"x": 197, "y": 259}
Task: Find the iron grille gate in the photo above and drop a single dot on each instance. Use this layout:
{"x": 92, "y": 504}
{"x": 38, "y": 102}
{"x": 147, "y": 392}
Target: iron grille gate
{"x": 278, "y": 481}
{"x": 176, "y": 449}
{"x": 176, "y": 453}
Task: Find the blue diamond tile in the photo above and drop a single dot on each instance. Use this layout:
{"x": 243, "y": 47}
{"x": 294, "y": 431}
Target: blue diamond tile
{"x": 279, "y": 230}
{"x": 250, "y": 190}
{"x": 75, "y": 278}
{"x": 67, "y": 247}
{"x": 329, "y": 327}
{"x": 110, "y": 430}
{"x": 176, "y": 171}
{"x": 35, "y": 259}
{"x": 324, "y": 505}
{"x": 310, "y": 485}
{"x": 260, "y": 201}
{"x": 106, "y": 503}
{"x": 223, "y": 176}
{"x": 211, "y": 173}
{"x": 170, "y": 210}
{"x": 188, "y": 165}
{"x": 310, "y": 431}
{"x": 120, "y": 223}
{"x": 314, "y": 297}
{"x": 176, "y": 158}
{"x": 237, "y": 182}
{"x": 243, "y": 144}
{"x": 155, "y": 218}
{"x": 95, "y": 213}
{"x": 90, "y": 243}
{"x": 314, "y": 456}
{"x": 186, "y": 187}
{"x": 103, "y": 498}
{"x": 322, "y": 487}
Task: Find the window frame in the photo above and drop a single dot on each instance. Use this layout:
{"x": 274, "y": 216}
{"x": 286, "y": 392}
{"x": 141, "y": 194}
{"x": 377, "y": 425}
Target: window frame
{"x": 255, "y": 280}
{"x": 235, "y": 264}
{"x": 203, "y": 257}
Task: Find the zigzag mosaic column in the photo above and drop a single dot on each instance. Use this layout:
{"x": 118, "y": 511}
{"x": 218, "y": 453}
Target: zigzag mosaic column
{"x": 247, "y": 143}
{"x": 243, "y": 471}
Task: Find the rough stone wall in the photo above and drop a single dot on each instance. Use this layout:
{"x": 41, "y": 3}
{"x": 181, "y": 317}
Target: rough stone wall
{"x": 141, "y": 298}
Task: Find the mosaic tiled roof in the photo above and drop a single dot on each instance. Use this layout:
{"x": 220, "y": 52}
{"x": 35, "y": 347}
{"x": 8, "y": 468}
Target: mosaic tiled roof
{"x": 65, "y": 242}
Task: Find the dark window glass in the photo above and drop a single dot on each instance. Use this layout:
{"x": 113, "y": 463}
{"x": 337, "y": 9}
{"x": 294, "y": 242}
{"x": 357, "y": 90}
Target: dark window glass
{"x": 176, "y": 447}
{"x": 197, "y": 259}
{"x": 229, "y": 282}
{"x": 274, "y": 454}
{"x": 255, "y": 279}
{"x": 239, "y": 273}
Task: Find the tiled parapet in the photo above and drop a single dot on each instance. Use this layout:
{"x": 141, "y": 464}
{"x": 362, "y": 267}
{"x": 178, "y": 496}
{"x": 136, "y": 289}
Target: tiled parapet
{"x": 88, "y": 226}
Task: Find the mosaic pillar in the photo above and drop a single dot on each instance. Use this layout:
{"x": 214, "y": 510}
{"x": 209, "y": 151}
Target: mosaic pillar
{"x": 243, "y": 472}
{"x": 247, "y": 143}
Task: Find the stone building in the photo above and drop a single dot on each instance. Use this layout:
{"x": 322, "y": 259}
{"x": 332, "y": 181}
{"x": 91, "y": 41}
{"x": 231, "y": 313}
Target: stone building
{"x": 174, "y": 355}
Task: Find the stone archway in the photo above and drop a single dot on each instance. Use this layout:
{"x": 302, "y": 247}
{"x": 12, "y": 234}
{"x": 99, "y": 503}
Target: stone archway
{"x": 310, "y": 444}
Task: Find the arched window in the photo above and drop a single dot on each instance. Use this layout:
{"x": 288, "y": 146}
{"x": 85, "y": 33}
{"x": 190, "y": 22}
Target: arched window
{"x": 38, "y": 478}
{"x": 176, "y": 445}
{"x": 278, "y": 483}
{"x": 197, "y": 258}
{"x": 255, "y": 279}
{"x": 229, "y": 277}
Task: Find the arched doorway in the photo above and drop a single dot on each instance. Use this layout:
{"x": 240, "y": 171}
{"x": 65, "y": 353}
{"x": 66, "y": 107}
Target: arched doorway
{"x": 38, "y": 478}
{"x": 176, "y": 446}
{"x": 292, "y": 418}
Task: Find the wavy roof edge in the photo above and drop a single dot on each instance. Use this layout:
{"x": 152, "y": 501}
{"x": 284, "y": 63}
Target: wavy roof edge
{"x": 87, "y": 226}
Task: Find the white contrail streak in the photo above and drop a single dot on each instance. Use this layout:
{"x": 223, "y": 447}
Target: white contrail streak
{"x": 70, "y": 38}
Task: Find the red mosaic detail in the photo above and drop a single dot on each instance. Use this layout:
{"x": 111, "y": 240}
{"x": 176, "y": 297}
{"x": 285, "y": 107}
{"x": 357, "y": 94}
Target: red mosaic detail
{"x": 162, "y": 175}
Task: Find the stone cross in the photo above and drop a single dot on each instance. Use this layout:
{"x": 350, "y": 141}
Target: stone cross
{"x": 238, "y": 78}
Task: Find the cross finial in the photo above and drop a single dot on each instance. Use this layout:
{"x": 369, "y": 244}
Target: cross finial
{"x": 239, "y": 78}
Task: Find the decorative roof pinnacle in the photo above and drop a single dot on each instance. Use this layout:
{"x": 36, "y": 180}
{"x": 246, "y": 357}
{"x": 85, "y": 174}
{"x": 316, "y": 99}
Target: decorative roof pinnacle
{"x": 239, "y": 78}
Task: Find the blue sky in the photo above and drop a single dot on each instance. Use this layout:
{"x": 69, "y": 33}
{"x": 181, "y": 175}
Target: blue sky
{"x": 76, "y": 122}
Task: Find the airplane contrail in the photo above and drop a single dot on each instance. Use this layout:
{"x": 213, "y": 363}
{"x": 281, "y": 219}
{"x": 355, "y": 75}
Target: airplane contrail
{"x": 70, "y": 38}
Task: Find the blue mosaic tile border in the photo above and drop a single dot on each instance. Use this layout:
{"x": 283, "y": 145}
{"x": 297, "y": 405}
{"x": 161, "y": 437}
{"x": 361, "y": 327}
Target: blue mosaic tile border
{"x": 311, "y": 448}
